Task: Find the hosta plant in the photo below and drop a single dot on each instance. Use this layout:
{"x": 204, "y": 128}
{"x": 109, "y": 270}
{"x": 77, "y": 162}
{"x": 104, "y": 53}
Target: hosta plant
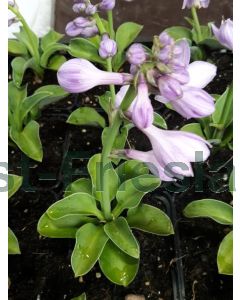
{"x": 23, "y": 110}
{"x": 222, "y": 213}
{"x": 32, "y": 52}
{"x": 100, "y": 211}
{"x": 14, "y": 183}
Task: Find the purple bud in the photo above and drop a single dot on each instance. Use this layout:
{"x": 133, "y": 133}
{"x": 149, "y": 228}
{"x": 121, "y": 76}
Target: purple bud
{"x": 79, "y": 7}
{"x": 195, "y": 3}
{"x": 224, "y": 34}
{"x": 79, "y": 75}
{"x": 107, "y": 4}
{"x": 11, "y": 3}
{"x": 91, "y": 9}
{"x": 170, "y": 88}
{"x": 82, "y": 26}
{"x": 142, "y": 110}
{"x": 165, "y": 39}
{"x": 136, "y": 54}
{"x": 108, "y": 47}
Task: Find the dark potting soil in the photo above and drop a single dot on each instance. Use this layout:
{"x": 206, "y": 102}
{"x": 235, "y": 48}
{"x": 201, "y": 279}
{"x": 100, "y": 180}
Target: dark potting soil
{"x": 43, "y": 271}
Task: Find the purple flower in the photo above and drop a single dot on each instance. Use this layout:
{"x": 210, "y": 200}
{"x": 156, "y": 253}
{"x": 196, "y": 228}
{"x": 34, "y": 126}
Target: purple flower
{"x": 195, "y": 3}
{"x": 142, "y": 110}
{"x": 108, "y": 47}
{"x": 195, "y": 102}
{"x": 224, "y": 34}
{"x": 136, "y": 54}
{"x": 91, "y": 9}
{"x": 79, "y": 7}
{"x": 79, "y": 75}
{"x": 170, "y": 88}
{"x": 107, "y": 4}
{"x": 12, "y": 3}
{"x": 172, "y": 152}
{"x": 82, "y": 26}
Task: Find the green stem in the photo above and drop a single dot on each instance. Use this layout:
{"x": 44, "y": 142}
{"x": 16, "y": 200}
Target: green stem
{"x": 110, "y": 22}
{"x": 112, "y": 87}
{"x": 100, "y": 24}
{"x": 34, "y": 51}
{"x": 107, "y": 148}
{"x": 129, "y": 97}
{"x": 197, "y": 23}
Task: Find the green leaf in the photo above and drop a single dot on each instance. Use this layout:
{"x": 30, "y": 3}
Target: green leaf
{"x": 210, "y": 208}
{"x": 82, "y": 297}
{"x": 206, "y": 34}
{"x": 150, "y": 219}
{"x": 90, "y": 242}
{"x": 225, "y": 255}
{"x": 105, "y": 101}
{"x": 15, "y": 95}
{"x": 131, "y": 192}
{"x": 179, "y": 32}
{"x": 224, "y": 108}
{"x": 211, "y": 43}
{"x": 130, "y": 169}
{"x": 56, "y": 61}
{"x": 13, "y": 245}
{"x": 28, "y": 140}
{"x": 231, "y": 183}
{"x": 159, "y": 121}
{"x": 86, "y": 116}
{"x": 51, "y": 37}
{"x": 95, "y": 169}
{"x": 53, "y": 92}
{"x": 14, "y": 183}
{"x": 117, "y": 266}
{"x": 193, "y": 128}
{"x": 125, "y": 35}
{"x": 78, "y": 203}
{"x": 17, "y": 48}
{"x": 30, "y": 40}
{"x": 121, "y": 235}
{"x": 83, "y": 48}
{"x": 19, "y": 66}
{"x": 49, "y": 51}
{"x": 49, "y": 228}
{"x": 198, "y": 53}
{"x": 82, "y": 185}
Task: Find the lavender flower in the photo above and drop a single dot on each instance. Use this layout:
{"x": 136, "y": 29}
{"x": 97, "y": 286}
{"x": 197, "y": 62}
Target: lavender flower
{"x": 172, "y": 152}
{"x": 12, "y": 3}
{"x": 79, "y": 75}
{"x": 194, "y": 102}
{"x": 82, "y": 26}
{"x": 195, "y": 3}
{"x": 136, "y": 54}
{"x": 107, "y": 4}
{"x": 79, "y": 7}
{"x": 91, "y": 9}
{"x": 224, "y": 34}
{"x": 108, "y": 47}
{"x": 142, "y": 110}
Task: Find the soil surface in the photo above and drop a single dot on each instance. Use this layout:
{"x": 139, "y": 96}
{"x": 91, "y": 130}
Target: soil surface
{"x": 179, "y": 267}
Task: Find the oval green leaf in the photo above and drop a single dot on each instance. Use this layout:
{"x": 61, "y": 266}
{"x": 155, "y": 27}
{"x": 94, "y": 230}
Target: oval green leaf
{"x": 210, "y": 208}
{"x": 13, "y": 245}
{"x": 82, "y": 185}
{"x": 121, "y": 235}
{"x": 117, "y": 266}
{"x": 225, "y": 255}
{"x": 86, "y": 116}
{"x": 14, "y": 183}
{"x": 90, "y": 241}
{"x": 150, "y": 219}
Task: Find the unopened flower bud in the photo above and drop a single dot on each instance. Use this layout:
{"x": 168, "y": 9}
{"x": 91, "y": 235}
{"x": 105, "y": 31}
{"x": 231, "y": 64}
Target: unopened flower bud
{"x": 224, "y": 34}
{"x": 136, "y": 54}
{"x": 195, "y": 3}
{"x": 107, "y": 4}
{"x": 91, "y": 9}
{"x": 108, "y": 47}
{"x": 83, "y": 27}
{"x": 79, "y": 7}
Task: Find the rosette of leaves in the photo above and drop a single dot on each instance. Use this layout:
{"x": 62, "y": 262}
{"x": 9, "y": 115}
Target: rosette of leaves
{"x": 222, "y": 213}
{"x": 111, "y": 242}
{"x": 14, "y": 183}
{"x": 217, "y": 128}
{"x": 23, "y": 110}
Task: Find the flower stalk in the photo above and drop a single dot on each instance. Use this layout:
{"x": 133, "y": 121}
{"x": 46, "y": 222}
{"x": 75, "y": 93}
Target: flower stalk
{"x": 197, "y": 23}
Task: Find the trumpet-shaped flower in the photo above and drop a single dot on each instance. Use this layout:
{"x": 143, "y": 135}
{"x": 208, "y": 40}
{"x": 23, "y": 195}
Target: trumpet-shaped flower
{"x": 172, "y": 152}
{"x": 79, "y": 75}
{"x": 224, "y": 34}
{"x": 82, "y": 26}
{"x": 195, "y": 3}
